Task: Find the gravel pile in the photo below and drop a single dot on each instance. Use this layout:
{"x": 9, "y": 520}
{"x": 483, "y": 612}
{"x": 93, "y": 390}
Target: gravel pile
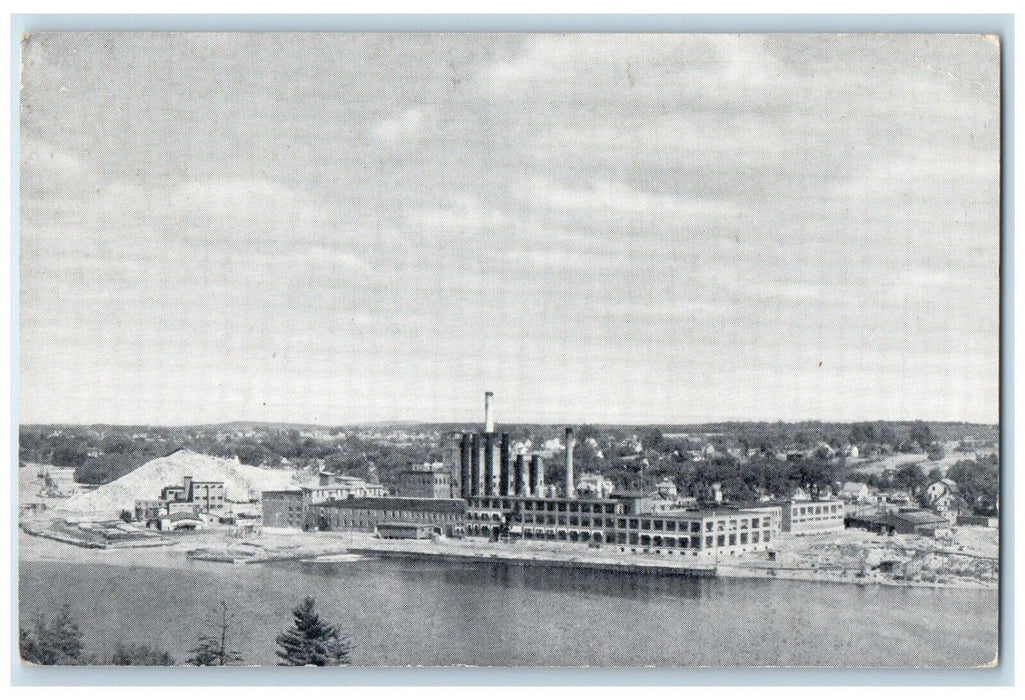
{"x": 241, "y": 482}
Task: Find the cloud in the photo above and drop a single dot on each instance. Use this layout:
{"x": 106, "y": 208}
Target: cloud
{"x": 405, "y": 127}
{"x": 602, "y": 197}
{"x": 632, "y": 68}
{"x": 463, "y": 214}
{"x": 658, "y": 196}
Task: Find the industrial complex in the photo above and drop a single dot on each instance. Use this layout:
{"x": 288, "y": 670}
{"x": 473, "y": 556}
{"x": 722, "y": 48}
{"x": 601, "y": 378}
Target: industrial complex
{"x": 481, "y": 489}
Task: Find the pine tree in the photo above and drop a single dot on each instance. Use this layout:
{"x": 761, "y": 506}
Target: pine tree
{"x": 140, "y": 655}
{"x": 212, "y": 649}
{"x": 57, "y": 642}
{"x": 311, "y": 642}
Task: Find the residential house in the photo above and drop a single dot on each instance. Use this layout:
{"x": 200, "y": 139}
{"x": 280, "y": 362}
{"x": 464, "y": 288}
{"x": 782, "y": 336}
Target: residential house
{"x": 855, "y": 492}
{"x": 594, "y": 486}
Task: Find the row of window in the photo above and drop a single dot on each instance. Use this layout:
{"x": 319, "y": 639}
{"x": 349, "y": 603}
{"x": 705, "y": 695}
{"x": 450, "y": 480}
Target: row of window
{"x": 818, "y": 518}
{"x": 349, "y": 521}
{"x": 656, "y": 524}
{"x": 549, "y": 506}
{"x": 797, "y": 511}
{"x": 393, "y": 514}
{"x": 645, "y": 540}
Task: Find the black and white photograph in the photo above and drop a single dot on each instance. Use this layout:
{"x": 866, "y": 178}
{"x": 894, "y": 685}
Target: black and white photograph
{"x": 606, "y": 350}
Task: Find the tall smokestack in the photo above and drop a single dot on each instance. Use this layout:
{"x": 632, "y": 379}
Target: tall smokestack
{"x": 475, "y": 476}
{"x": 489, "y": 418}
{"x": 489, "y": 464}
{"x": 503, "y": 467}
{"x": 570, "y": 489}
{"x": 537, "y": 475}
{"x": 464, "y": 465}
{"x": 521, "y": 477}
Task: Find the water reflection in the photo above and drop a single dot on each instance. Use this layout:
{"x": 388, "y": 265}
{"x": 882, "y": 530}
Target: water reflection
{"x": 537, "y": 577}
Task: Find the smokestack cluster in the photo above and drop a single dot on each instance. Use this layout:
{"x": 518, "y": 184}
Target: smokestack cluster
{"x": 489, "y": 418}
{"x": 570, "y": 488}
{"x": 478, "y": 473}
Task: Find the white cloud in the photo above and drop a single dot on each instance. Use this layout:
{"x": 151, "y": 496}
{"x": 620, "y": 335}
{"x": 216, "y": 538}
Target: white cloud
{"x": 405, "y": 127}
{"x": 463, "y": 215}
{"x": 649, "y": 68}
{"x": 604, "y": 196}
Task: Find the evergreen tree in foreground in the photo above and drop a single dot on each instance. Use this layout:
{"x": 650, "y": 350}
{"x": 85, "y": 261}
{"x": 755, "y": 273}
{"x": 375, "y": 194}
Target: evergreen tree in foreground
{"x": 54, "y": 643}
{"x": 310, "y": 641}
{"x": 140, "y": 655}
{"x": 212, "y": 649}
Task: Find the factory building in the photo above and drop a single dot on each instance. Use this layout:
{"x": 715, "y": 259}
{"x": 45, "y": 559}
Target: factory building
{"x": 516, "y": 507}
{"x": 428, "y": 480}
{"x": 481, "y": 489}
{"x": 812, "y": 517}
{"x": 331, "y": 486}
{"x": 190, "y": 496}
{"x": 622, "y": 521}
{"x": 283, "y": 509}
{"x": 444, "y": 515}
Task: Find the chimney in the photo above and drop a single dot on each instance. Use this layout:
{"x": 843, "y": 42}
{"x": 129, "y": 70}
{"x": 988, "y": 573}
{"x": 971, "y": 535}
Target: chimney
{"x": 464, "y": 465}
{"x": 503, "y": 467}
{"x": 537, "y": 475}
{"x": 475, "y": 465}
{"x": 520, "y": 476}
{"x": 188, "y": 488}
{"x": 489, "y": 419}
{"x": 489, "y": 464}
{"x": 570, "y": 489}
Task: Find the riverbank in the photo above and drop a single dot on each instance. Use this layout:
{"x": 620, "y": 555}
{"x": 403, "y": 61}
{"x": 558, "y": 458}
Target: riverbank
{"x": 834, "y": 558}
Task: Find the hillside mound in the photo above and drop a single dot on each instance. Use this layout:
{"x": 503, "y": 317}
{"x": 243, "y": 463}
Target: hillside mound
{"x": 241, "y": 482}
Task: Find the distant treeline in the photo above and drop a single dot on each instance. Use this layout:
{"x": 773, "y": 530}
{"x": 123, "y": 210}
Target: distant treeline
{"x": 99, "y": 454}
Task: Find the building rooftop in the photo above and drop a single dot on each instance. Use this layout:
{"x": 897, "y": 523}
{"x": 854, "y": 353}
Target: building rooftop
{"x": 920, "y": 517}
{"x": 442, "y": 505}
{"x": 175, "y": 517}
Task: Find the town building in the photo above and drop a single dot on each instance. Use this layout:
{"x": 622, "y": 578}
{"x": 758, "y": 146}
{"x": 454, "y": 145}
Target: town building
{"x": 667, "y": 489}
{"x": 855, "y": 492}
{"x": 428, "y": 480}
{"x": 944, "y": 497}
{"x": 444, "y": 515}
{"x": 180, "y": 521}
{"x": 595, "y": 486}
{"x": 330, "y": 486}
{"x": 405, "y": 531}
{"x": 906, "y": 521}
{"x": 188, "y": 497}
{"x": 812, "y": 517}
{"x": 284, "y": 509}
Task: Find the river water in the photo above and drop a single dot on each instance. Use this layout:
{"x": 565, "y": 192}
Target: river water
{"x": 425, "y": 613}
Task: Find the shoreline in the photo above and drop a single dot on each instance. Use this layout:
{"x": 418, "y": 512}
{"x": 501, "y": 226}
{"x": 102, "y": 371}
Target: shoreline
{"x": 310, "y": 547}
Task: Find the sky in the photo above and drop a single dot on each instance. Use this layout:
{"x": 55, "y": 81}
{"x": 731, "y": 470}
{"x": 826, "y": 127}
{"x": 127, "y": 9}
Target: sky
{"x": 339, "y": 228}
